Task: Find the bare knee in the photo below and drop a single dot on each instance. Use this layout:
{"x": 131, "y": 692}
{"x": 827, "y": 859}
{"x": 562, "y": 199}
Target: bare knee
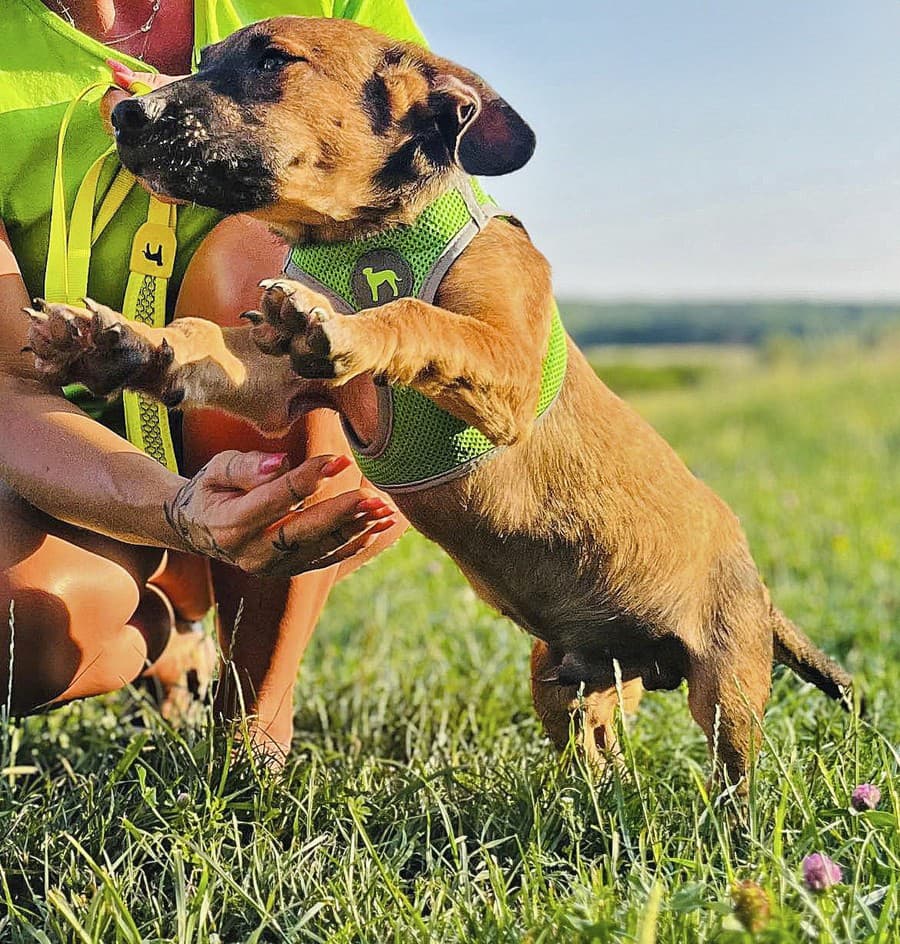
{"x": 224, "y": 273}
{"x": 67, "y": 636}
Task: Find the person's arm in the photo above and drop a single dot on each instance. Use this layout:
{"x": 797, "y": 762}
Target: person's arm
{"x": 237, "y": 509}
{"x": 57, "y": 457}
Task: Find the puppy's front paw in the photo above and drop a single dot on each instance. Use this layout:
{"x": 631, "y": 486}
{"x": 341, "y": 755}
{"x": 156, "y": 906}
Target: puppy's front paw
{"x": 92, "y": 346}
{"x": 297, "y": 321}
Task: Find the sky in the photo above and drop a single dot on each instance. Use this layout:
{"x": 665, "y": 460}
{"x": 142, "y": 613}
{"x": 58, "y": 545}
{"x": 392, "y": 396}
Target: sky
{"x": 687, "y": 149}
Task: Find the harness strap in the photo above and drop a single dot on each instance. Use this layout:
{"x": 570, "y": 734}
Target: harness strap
{"x": 150, "y": 267}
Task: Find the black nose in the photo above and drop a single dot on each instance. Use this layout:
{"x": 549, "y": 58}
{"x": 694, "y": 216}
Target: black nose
{"x": 129, "y": 118}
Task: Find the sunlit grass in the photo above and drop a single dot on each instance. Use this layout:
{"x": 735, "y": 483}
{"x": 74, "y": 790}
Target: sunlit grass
{"x": 422, "y": 801}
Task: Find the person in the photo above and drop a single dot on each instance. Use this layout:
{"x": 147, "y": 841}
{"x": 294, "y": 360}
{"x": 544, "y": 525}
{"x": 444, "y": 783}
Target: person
{"x": 94, "y": 582}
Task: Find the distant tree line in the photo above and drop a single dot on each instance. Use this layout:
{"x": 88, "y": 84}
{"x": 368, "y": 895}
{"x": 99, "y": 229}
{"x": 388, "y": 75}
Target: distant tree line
{"x": 753, "y": 323}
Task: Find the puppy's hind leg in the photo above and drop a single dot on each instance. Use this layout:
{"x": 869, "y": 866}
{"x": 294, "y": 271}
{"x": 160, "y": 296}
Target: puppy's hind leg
{"x": 556, "y": 705}
{"x": 727, "y": 694}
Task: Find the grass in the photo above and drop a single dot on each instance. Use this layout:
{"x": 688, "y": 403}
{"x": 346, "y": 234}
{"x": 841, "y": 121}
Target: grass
{"x": 422, "y": 802}
{"x": 630, "y": 378}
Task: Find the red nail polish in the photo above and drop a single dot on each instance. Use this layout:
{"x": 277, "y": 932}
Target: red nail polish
{"x": 272, "y": 463}
{"x": 370, "y": 504}
{"x": 335, "y": 466}
{"x": 122, "y": 75}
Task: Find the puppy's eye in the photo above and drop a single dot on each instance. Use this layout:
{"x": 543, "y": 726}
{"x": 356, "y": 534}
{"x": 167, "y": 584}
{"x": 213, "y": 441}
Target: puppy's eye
{"x": 274, "y": 59}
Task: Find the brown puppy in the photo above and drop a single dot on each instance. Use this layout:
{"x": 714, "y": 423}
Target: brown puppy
{"x": 586, "y": 529}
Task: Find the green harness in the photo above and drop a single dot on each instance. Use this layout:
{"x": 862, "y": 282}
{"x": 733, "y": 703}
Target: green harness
{"x": 419, "y": 445}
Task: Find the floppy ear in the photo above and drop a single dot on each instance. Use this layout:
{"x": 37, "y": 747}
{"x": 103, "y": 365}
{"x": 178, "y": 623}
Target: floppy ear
{"x": 486, "y": 136}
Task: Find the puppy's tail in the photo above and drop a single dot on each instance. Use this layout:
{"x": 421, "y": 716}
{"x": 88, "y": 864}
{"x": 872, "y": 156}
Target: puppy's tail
{"x": 797, "y": 651}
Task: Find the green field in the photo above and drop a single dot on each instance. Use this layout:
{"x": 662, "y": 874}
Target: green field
{"x": 422, "y": 802}
{"x": 753, "y": 323}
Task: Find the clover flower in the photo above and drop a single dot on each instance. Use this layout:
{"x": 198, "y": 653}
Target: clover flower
{"x": 865, "y": 797}
{"x": 820, "y": 872}
{"x": 752, "y": 905}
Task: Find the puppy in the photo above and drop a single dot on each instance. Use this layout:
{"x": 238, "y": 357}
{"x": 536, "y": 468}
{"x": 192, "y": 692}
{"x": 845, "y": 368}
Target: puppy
{"x": 577, "y": 521}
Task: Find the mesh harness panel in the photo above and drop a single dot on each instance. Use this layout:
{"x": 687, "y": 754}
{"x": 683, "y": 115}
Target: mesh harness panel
{"x": 420, "y": 444}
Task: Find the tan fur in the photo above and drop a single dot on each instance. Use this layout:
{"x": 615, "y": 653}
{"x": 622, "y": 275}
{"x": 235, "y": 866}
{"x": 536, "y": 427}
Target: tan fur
{"x": 587, "y": 530}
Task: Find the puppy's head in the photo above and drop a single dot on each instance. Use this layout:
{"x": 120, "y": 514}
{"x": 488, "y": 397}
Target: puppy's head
{"x": 304, "y": 121}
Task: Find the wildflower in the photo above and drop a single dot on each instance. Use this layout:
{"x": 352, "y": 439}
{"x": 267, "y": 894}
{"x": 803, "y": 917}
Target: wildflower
{"x": 820, "y": 872}
{"x": 752, "y": 905}
{"x": 865, "y": 797}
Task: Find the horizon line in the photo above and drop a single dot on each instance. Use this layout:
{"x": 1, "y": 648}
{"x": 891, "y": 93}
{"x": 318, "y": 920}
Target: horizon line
{"x": 664, "y": 299}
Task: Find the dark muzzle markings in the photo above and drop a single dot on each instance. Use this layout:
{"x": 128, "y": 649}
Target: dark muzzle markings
{"x": 200, "y": 139}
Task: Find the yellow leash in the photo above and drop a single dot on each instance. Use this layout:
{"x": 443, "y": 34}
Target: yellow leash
{"x": 150, "y": 268}
{"x": 152, "y": 259}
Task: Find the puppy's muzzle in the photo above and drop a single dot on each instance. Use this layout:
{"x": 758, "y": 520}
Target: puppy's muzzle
{"x": 186, "y": 142}
{"x": 132, "y": 118}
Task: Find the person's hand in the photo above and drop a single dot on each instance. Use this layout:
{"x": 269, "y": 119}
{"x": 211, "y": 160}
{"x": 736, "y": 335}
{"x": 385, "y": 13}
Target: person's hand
{"x": 125, "y": 79}
{"x": 250, "y": 510}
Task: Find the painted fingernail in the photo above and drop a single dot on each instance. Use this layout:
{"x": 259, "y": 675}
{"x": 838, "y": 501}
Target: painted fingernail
{"x": 370, "y": 504}
{"x": 336, "y": 465}
{"x": 272, "y": 463}
{"x": 382, "y": 512}
{"x": 122, "y": 75}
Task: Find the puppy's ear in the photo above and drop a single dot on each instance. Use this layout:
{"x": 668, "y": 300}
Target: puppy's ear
{"x": 486, "y": 136}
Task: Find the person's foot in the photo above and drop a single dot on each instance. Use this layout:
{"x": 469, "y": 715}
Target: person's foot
{"x": 184, "y": 672}
{"x": 183, "y": 660}
{"x": 267, "y": 724}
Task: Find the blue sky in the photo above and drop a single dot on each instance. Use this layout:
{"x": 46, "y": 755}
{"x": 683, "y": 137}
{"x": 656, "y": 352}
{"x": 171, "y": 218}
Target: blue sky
{"x": 698, "y": 149}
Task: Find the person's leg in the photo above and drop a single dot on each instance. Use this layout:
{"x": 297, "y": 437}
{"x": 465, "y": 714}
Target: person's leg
{"x": 277, "y": 616}
{"x": 74, "y": 618}
{"x": 185, "y": 580}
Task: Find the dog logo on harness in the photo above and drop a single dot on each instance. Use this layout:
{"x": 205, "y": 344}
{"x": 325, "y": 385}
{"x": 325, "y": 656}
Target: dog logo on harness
{"x": 155, "y": 256}
{"x": 376, "y": 279}
{"x": 380, "y": 276}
